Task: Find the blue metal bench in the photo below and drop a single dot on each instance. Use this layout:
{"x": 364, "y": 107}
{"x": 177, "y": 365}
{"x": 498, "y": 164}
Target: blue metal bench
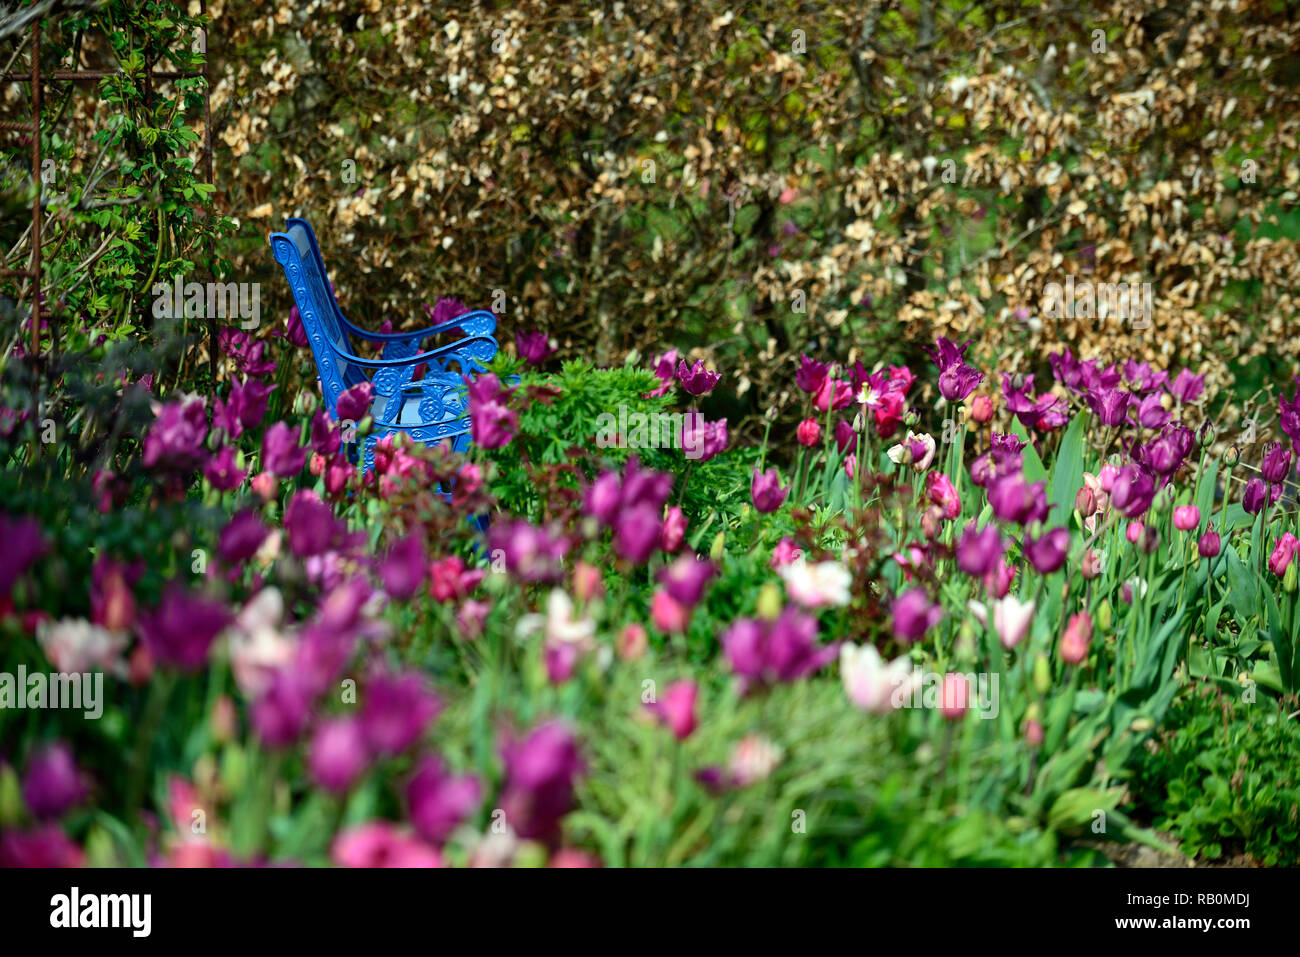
{"x": 430, "y": 409}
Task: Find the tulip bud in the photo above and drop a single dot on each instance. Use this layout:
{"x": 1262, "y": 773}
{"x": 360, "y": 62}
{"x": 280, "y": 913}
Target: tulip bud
{"x": 911, "y": 418}
{"x": 769, "y": 601}
{"x": 1105, "y": 615}
{"x": 1206, "y": 434}
{"x": 931, "y": 522}
{"x": 1232, "y": 457}
{"x": 719, "y": 547}
{"x": 587, "y": 582}
{"x": 1075, "y": 640}
{"x": 981, "y": 409}
{"x": 1289, "y": 579}
{"x": 965, "y": 645}
{"x": 1042, "y": 674}
{"x": 1209, "y": 544}
{"x": 1090, "y": 566}
{"x": 530, "y": 854}
{"x": 1033, "y": 733}
{"x": 1085, "y": 501}
{"x": 11, "y": 798}
{"x": 264, "y": 485}
{"x": 234, "y": 769}
{"x": 224, "y": 720}
{"x": 1150, "y": 540}
{"x": 954, "y": 696}
{"x": 1033, "y": 725}
{"x": 632, "y": 642}
{"x": 1186, "y": 517}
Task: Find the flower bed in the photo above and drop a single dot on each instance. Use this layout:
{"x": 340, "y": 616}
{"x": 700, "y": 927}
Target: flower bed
{"x": 973, "y": 628}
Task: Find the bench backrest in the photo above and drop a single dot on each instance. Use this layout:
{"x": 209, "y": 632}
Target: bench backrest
{"x": 311, "y": 294}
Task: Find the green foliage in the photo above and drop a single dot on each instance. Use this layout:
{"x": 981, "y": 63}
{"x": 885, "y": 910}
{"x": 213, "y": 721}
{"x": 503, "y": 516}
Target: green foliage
{"x": 589, "y": 403}
{"x": 1224, "y": 778}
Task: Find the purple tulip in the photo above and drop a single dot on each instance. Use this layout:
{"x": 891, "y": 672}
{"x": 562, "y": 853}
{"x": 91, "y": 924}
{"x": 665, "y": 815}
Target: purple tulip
{"x": 397, "y": 710}
{"x": 947, "y": 353}
{"x": 676, "y": 708}
{"x": 242, "y": 537}
{"x": 439, "y": 801}
{"x": 762, "y": 652}
{"x": 845, "y": 437}
{"x": 338, "y": 753}
{"x": 1187, "y": 387}
{"x": 248, "y": 401}
{"x": 645, "y": 487}
{"x": 978, "y": 551}
{"x": 540, "y": 774}
{"x": 1015, "y": 500}
{"x": 492, "y": 423}
{"x": 52, "y": 783}
{"x": 404, "y": 568}
{"x": 811, "y": 375}
{"x": 23, "y": 544}
{"x": 280, "y": 714}
{"x": 322, "y": 653}
{"x": 914, "y": 614}
{"x": 686, "y": 577}
{"x": 1053, "y": 413}
{"x": 531, "y": 554}
{"x": 1047, "y": 552}
{"x": 175, "y": 440}
{"x": 533, "y": 347}
{"x": 1132, "y": 490}
{"x": 181, "y": 630}
{"x": 665, "y": 366}
{"x": 222, "y": 473}
{"x": 1143, "y": 379}
{"x": 354, "y": 404}
{"x": 45, "y": 846}
{"x": 603, "y": 498}
{"x": 1109, "y": 405}
{"x": 281, "y": 454}
{"x": 310, "y": 524}
{"x": 1277, "y": 463}
{"x": 1151, "y": 414}
{"x": 1068, "y": 371}
{"x": 326, "y": 436}
{"x": 444, "y": 310}
{"x": 637, "y": 531}
{"x": 1208, "y": 546}
{"x": 766, "y": 491}
{"x": 1255, "y": 497}
{"x": 1289, "y": 414}
{"x": 704, "y": 440}
{"x": 958, "y": 381}
{"x": 295, "y": 331}
{"x": 1020, "y": 398}
{"x": 695, "y": 379}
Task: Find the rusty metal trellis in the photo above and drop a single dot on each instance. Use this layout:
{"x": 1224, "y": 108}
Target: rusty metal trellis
{"x": 33, "y": 127}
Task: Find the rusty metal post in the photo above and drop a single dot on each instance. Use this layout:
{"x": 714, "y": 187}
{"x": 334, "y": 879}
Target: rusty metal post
{"x": 34, "y": 270}
{"x": 213, "y": 339}
{"x": 36, "y": 203}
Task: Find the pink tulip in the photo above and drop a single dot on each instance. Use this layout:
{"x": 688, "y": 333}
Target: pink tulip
{"x": 954, "y": 696}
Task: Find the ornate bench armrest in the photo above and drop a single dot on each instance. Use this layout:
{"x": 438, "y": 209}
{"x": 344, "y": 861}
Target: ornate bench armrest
{"x": 477, "y": 348}
{"x": 477, "y": 323}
